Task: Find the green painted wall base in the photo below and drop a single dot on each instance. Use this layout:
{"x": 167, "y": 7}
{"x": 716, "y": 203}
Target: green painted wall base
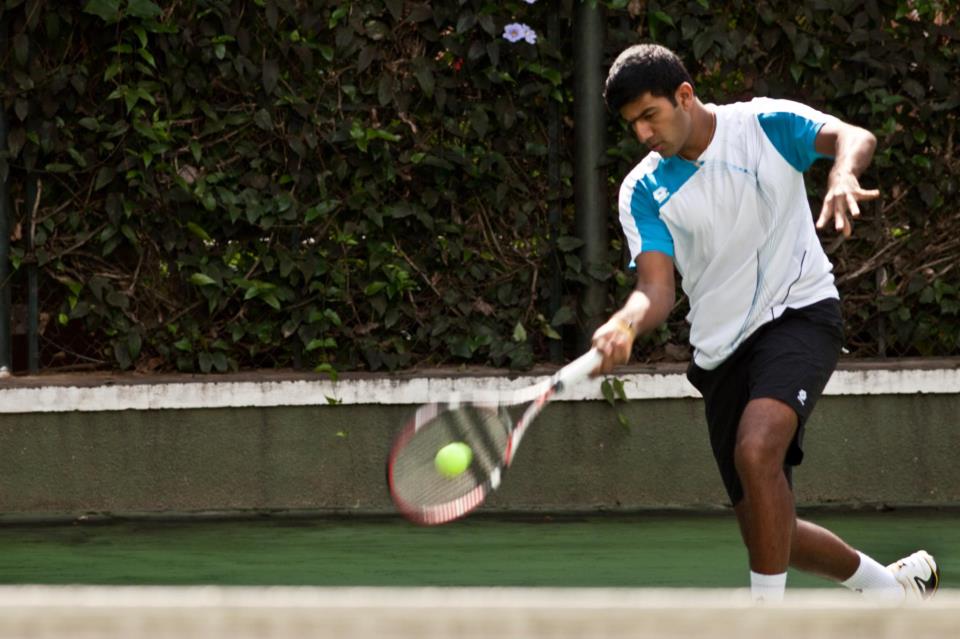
{"x": 861, "y": 450}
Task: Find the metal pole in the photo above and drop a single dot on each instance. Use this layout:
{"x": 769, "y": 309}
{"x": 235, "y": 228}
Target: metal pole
{"x": 33, "y": 304}
{"x": 554, "y": 212}
{"x": 589, "y": 173}
{"x": 6, "y": 363}
{"x": 6, "y": 360}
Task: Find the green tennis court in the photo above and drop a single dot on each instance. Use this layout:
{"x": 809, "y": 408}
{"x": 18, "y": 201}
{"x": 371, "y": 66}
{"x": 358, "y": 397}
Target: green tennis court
{"x": 639, "y": 551}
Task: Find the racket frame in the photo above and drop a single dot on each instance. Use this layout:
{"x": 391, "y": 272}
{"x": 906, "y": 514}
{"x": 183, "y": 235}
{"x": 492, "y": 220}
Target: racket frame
{"x": 538, "y": 395}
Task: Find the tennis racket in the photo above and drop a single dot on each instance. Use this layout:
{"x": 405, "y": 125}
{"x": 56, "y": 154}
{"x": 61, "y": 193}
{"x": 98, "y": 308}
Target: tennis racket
{"x": 482, "y": 422}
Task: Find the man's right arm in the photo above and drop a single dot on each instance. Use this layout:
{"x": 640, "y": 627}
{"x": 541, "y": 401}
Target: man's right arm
{"x": 648, "y": 307}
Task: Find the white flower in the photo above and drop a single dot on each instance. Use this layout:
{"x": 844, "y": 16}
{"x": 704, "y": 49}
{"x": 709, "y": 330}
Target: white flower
{"x": 514, "y": 32}
{"x": 517, "y": 31}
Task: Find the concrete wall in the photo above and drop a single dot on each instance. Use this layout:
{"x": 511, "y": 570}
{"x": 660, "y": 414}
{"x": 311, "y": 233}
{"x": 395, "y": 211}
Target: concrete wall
{"x": 103, "y": 457}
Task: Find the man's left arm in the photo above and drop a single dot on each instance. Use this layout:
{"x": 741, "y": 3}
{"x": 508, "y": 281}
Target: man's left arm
{"x": 852, "y": 149}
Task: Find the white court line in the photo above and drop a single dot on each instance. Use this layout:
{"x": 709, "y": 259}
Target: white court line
{"x": 78, "y": 612}
{"x": 291, "y": 597}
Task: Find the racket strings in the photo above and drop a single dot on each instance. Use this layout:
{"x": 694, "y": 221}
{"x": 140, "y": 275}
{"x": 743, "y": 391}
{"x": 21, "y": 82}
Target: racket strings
{"x": 415, "y": 478}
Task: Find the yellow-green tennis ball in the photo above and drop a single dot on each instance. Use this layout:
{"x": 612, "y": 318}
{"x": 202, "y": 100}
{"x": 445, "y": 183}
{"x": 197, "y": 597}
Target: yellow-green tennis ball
{"x": 453, "y": 459}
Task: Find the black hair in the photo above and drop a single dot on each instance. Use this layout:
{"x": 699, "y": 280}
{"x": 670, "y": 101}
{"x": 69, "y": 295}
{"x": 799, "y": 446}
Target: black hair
{"x": 642, "y": 69}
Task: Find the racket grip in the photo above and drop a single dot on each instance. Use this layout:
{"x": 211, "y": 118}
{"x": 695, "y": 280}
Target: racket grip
{"x": 579, "y": 368}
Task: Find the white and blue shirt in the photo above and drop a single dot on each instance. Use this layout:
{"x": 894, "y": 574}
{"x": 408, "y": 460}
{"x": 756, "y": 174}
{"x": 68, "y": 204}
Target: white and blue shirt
{"x": 736, "y": 222}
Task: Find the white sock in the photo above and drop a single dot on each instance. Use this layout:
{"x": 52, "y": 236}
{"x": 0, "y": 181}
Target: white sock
{"x": 767, "y": 587}
{"x": 875, "y": 581}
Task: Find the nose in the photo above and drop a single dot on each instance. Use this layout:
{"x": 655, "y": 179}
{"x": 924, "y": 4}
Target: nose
{"x": 643, "y": 131}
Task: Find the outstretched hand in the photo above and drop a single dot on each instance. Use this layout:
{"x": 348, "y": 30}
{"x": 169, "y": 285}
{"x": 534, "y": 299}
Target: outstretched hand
{"x": 842, "y": 198}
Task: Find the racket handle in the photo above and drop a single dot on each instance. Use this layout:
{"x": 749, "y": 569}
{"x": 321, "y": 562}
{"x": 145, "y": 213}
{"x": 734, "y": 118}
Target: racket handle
{"x": 578, "y": 369}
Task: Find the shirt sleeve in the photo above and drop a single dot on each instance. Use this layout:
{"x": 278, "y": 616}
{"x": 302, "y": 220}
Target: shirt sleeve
{"x": 792, "y": 128}
{"x": 641, "y": 222}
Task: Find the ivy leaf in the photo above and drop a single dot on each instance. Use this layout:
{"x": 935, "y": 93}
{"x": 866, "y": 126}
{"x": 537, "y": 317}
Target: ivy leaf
{"x": 563, "y": 316}
{"x": 271, "y": 73}
{"x": 202, "y": 279}
{"x": 424, "y": 77}
{"x": 568, "y": 243}
{"x": 197, "y": 230}
{"x": 263, "y": 120}
{"x": 606, "y": 389}
{"x": 106, "y": 10}
{"x": 104, "y": 177}
{"x": 143, "y": 9}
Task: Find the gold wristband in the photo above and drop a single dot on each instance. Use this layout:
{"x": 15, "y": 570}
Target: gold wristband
{"x": 625, "y": 327}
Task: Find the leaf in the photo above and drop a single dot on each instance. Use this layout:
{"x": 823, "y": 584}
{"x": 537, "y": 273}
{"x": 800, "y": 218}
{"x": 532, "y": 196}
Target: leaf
{"x": 663, "y": 17}
{"x": 21, "y": 49}
{"x": 121, "y": 355}
{"x": 270, "y": 76}
{"x": 424, "y": 77}
{"x": 134, "y": 344}
{"x": 143, "y": 9}
{"x": 220, "y": 362}
{"x": 568, "y": 243}
{"x": 374, "y": 288}
{"x": 563, "y": 316}
{"x": 263, "y": 120}
{"x": 202, "y": 279}
{"x": 606, "y": 389}
{"x": 198, "y": 230}
{"x": 367, "y": 55}
{"x": 330, "y": 372}
{"x": 104, "y": 177}
{"x": 479, "y": 121}
{"x": 16, "y": 139}
{"x": 702, "y": 43}
{"x": 106, "y": 10}
{"x": 519, "y": 333}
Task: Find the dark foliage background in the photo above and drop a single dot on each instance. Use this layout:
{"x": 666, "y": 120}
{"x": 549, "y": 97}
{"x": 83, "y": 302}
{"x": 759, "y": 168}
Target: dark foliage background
{"x": 363, "y": 185}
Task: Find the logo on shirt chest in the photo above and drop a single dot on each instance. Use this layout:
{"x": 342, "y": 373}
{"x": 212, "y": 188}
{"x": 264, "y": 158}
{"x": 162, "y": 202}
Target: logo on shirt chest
{"x": 661, "y": 194}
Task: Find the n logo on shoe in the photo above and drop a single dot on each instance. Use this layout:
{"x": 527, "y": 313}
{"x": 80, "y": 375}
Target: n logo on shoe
{"x": 927, "y": 586}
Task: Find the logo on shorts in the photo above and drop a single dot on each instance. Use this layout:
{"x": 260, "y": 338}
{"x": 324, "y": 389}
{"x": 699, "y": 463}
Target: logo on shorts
{"x": 802, "y": 397}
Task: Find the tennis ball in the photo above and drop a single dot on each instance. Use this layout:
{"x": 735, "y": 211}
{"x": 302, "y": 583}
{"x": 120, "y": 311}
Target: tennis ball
{"x": 453, "y": 459}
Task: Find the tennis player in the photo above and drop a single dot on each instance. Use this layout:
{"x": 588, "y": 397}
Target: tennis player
{"x": 721, "y": 198}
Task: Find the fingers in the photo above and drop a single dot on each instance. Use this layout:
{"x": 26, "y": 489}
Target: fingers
{"x": 833, "y": 207}
{"x": 838, "y": 203}
{"x": 614, "y": 342}
{"x": 852, "y": 205}
{"x": 826, "y": 211}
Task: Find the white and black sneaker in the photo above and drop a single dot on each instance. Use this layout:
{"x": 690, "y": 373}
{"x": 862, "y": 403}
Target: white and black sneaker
{"x": 918, "y": 574}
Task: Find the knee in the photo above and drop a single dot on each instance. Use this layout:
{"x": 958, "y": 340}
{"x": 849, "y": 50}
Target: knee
{"x": 757, "y": 458}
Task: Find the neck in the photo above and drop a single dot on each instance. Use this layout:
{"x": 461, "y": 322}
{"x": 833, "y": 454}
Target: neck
{"x": 703, "y": 124}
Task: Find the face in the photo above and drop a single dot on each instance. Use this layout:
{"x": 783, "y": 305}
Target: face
{"x": 658, "y": 124}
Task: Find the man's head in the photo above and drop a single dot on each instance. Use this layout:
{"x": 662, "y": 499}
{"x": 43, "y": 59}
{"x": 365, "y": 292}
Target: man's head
{"x": 644, "y": 68}
{"x": 651, "y": 89}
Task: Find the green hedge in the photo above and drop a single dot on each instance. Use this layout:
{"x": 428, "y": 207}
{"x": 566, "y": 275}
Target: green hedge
{"x": 364, "y": 185}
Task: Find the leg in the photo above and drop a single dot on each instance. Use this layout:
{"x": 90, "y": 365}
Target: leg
{"x": 766, "y": 512}
{"x": 771, "y": 531}
{"x": 820, "y": 552}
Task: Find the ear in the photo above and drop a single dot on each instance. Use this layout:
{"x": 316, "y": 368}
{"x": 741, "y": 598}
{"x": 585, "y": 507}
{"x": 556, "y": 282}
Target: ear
{"x": 685, "y": 95}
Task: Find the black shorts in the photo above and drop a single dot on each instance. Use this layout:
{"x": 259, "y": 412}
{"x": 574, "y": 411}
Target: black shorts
{"x": 789, "y": 359}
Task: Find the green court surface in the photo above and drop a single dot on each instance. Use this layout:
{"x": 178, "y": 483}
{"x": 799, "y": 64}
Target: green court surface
{"x": 638, "y": 551}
